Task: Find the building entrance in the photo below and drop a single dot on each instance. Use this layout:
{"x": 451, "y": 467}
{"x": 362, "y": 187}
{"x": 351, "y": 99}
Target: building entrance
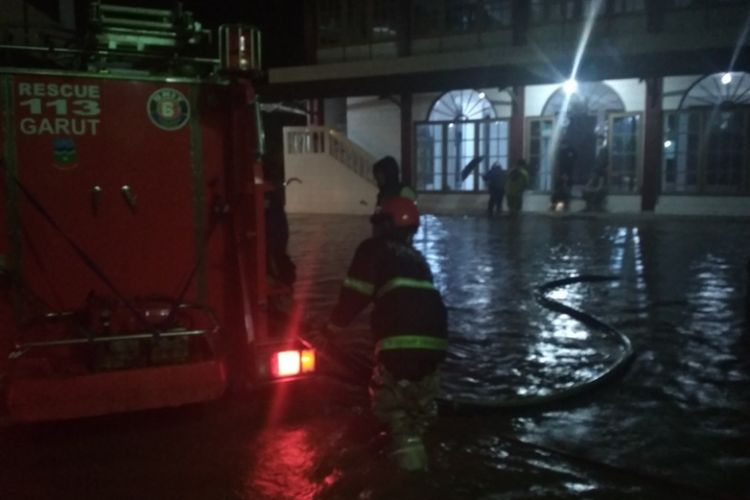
{"x": 583, "y": 121}
{"x": 462, "y": 132}
{"x": 580, "y": 135}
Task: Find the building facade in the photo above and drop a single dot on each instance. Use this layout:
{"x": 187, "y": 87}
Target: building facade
{"x": 656, "y": 93}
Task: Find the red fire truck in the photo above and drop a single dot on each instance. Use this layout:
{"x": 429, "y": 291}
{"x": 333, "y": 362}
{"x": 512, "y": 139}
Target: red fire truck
{"x": 132, "y": 236}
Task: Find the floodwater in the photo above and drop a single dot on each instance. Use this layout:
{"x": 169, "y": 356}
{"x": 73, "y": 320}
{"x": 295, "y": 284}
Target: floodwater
{"x": 674, "y": 424}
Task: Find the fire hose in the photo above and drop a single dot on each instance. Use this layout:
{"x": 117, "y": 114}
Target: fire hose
{"x": 361, "y": 368}
{"x": 456, "y": 403}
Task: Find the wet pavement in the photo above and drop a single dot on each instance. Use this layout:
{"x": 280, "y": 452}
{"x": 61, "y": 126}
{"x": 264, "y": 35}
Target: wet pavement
{"x": 676, "y": 424}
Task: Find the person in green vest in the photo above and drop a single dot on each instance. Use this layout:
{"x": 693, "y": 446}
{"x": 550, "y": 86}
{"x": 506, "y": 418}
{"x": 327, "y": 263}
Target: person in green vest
{"x": 515, "y": 185}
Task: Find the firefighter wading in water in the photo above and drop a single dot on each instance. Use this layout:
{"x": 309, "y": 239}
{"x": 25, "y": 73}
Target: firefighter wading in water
{"x": 409, "y": 322}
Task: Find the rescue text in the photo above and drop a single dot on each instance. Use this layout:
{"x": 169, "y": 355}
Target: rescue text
{"x": 58, "y": 109}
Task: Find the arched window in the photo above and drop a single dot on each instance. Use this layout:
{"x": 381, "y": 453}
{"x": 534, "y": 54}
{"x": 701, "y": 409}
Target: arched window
{"x": 594, "y": 123}
{"x": 461, "y": 139}
{"x": 720, "y": 89}
{"x": 461, "y": 105}
{"x": 593, "y": 98}
{"x": 704, "y": 141}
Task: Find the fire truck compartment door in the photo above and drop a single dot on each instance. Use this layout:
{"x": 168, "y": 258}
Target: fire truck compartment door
{"x": 116, "y": 163}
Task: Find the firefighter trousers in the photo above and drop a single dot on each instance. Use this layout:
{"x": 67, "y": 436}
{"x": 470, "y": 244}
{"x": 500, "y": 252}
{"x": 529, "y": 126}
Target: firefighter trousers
{"x": 407, "y": 408}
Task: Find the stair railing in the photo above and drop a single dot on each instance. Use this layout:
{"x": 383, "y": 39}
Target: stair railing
{"x": 324, "y": 140}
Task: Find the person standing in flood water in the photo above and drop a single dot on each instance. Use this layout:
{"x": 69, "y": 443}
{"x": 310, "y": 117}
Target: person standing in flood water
{"x": 386, "y": 174}
{"x": 563, "y": 177}
{"x": 518, "y": 180}
{"x": 495, "y": 179}
{"x": 409, "y": 321}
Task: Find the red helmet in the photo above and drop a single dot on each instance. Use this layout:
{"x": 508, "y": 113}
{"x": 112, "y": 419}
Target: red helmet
{"x": 402, "y": 211}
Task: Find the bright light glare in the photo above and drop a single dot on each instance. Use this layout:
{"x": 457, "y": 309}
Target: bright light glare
{"x": 726, "y": 78}
{"x": 570, "y": 86}
{"x": 287, "y": 363}
{"x": 667, "y": 144}
{"x": 591, "y": 13}
{"x": 482, "y": 95}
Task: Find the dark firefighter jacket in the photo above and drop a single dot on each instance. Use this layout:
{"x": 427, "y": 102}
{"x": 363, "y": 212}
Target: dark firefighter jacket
{"x": 409, "y": 319}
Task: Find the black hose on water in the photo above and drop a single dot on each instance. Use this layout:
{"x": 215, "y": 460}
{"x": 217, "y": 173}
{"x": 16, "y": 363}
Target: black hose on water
{"x": 461, "y": 405}
{"x": 359, "y": 369}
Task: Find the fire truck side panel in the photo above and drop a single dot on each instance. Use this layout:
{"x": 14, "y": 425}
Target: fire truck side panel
{"x": 6, "y": 316}
{"x": 158, "y": 185}
{"x": 222, "y": 282}
{"x": 246, "y": 184}
{"x": 112, "y": 166}
{"x": 131, "y": 172}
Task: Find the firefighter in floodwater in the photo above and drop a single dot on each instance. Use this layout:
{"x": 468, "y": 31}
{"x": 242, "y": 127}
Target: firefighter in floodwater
{"x": 386, "y": 174}
{"x": 409, "y": 323}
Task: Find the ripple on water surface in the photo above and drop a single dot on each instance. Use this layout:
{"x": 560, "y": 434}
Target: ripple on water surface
{"x": 678, "y": 299}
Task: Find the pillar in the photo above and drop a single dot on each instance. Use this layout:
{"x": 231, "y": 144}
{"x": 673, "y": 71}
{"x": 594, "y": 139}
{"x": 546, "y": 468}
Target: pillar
{"x": 515, "y": 141}
{"x": 407, "y": 173}
{"x": 652, "y": 145}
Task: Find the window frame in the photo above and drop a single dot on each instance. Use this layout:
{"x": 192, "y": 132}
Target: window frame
{"x": 535, "y": 170}
{"x": 638, "y": 184}
{"x": 665, "y": 119}
{"x": 478, "y": 186}
{"x": 704, "y": 155}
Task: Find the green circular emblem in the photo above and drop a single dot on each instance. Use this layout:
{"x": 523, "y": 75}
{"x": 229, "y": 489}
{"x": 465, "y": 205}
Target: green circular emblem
{"x": 168, "y": 109}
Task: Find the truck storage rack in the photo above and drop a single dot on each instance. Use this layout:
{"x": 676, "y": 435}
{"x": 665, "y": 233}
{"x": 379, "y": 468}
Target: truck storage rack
{"x": 137, "y": 28}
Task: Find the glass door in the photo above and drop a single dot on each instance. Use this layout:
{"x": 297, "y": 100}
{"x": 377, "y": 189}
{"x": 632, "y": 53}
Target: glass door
{"x": 624, "y": 172}
{"x": 539, "y": 152}
{"x": 444, "y": 149}
{"x": 681, "y": 152}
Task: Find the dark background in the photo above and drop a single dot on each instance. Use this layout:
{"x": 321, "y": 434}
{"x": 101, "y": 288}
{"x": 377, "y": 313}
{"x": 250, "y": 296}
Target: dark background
{"x": 280, "y": 21}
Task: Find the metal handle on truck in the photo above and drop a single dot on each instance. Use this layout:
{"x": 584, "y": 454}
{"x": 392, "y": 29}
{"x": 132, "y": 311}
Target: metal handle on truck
{"x": 96, "y": 195}
{"x": 129, "y": 196}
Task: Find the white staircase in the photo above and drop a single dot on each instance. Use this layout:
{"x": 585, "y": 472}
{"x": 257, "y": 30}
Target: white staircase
{"x": 335, "y": 174}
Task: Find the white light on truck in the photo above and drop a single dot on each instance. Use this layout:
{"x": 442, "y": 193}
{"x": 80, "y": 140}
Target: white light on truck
{"x": 291, "y": 363}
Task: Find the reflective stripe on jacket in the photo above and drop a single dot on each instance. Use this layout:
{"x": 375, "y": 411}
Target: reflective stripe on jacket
{"x": 395, "y": 278}
{"x": 411, "y": 342}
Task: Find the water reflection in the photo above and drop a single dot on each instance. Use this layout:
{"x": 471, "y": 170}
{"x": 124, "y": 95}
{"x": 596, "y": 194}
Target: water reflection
{"x": 679, "y": 414}
{"x": 678, "y": 302}
{"x": 619, "y": 241}
{"x": 430, "y": 239}
{"x": 283, "y": 463}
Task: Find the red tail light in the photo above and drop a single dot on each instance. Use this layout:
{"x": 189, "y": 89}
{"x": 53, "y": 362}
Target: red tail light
{"x": 291, "y": 363}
